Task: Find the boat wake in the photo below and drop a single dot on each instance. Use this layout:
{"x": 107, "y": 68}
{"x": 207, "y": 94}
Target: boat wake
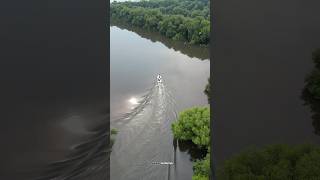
{"x": 145, "y": 137}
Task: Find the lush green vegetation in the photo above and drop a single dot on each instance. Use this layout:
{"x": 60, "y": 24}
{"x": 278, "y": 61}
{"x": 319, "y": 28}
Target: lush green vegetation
{"x": 184, "y": 20}
{"x": 202, "y": 169}
{"x": 276, "y": 162}
{"x": 194, "y": 125}
{"x": 189, "y": 8}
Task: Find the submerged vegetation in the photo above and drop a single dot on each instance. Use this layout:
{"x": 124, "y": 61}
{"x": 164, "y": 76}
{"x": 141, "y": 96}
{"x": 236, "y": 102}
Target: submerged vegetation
{"x": 207, "y": 90}
{"x": 113, "y": 133}
{"x": 276, "y": 162}
{"x": 194, "y": 125}
{"x": 183, "y": 20}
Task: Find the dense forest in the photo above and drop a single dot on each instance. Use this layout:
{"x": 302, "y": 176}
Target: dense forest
{"x": 184, "y": 20}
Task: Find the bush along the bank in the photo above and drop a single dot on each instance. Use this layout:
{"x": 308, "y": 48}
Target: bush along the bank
{"x": 168, "y": 18}
{"x": 201, "y": 168}
{"x": 275, "y": 162}
{"x": 194, "y": 125}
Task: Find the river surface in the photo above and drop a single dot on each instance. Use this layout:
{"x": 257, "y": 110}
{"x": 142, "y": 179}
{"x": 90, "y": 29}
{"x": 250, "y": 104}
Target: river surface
{"x": 144, "y": 136}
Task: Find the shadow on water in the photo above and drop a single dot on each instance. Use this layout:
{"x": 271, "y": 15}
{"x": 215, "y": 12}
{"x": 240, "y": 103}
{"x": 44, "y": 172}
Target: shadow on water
{"x": 189, "y": 50}
{"x": 87, "y": 161}
{"x": 193, "y": 150}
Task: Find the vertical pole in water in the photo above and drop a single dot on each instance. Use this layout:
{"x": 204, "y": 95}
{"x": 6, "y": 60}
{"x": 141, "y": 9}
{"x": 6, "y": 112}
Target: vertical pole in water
{"x": 164, "y": 163}
{"x": 168, "y": 171}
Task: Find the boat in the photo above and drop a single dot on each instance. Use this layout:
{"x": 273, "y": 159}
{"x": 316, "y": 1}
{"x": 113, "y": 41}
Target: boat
{"x": 159, "y": 78}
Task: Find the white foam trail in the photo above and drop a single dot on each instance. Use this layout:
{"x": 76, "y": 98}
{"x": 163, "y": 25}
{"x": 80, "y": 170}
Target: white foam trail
{"x": 145, "y": 137}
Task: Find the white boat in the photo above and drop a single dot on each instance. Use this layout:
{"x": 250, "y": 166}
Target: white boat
{"x": 159, "y": 78}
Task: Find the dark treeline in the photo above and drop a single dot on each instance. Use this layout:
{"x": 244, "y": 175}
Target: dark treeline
{"x": 190, "y": 8}
{"x": 273, "y": 162}
{"x": 183, "y": 20}
{"x": 311, "y": 91}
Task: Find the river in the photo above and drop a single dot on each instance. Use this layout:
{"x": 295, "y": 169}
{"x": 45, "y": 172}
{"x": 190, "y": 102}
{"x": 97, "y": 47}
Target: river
{"x": 137, "y": 57}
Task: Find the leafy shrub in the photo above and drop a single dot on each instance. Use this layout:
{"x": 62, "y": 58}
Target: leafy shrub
{"x": 193, "y": 124}
{"x": 201, "y": 168}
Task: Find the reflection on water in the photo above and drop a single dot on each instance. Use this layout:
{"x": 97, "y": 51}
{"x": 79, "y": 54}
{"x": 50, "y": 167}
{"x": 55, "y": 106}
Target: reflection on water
{"x": 190, "y": 50}
{"x": 192, "y": 149}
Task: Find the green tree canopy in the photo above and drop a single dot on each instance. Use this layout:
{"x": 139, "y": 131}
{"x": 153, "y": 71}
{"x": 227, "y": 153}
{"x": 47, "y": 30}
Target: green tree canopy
{"x": 184, "y": 20}
{"x": 193, "y": 124}
{"x": 202, "y": 169}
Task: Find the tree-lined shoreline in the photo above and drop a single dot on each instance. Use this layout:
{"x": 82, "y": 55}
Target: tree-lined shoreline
{"x": 181, "y": 20}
